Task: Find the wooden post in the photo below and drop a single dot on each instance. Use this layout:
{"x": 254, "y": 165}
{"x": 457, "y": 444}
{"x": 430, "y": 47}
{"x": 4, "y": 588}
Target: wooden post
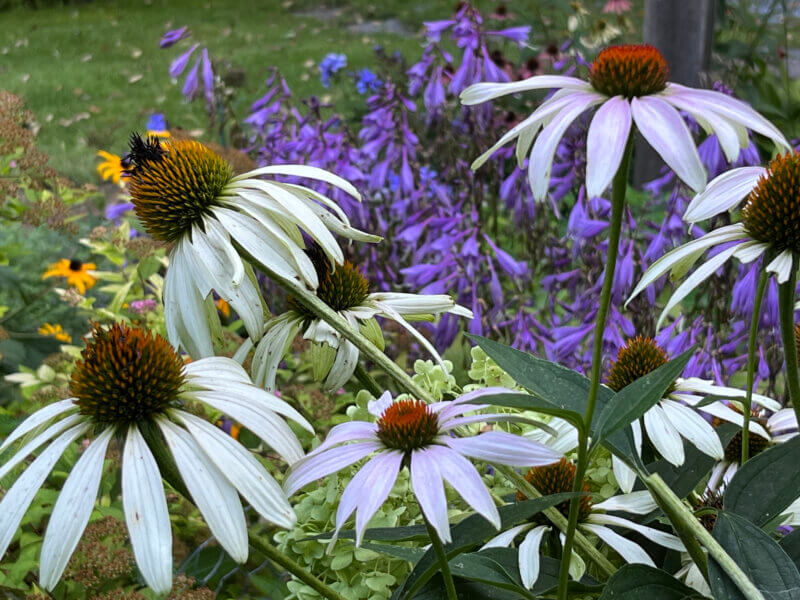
{"x": 684, "y": 33}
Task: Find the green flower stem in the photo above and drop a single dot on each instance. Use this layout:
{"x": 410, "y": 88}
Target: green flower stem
{"x": 619, "y": 187}
{"x": 308, "y": 299}
{"x": 368, "y": 381}
{"x": 681, "y": 516}
{"x": 444, "y": 565}
{"x": 283, "y": 561}
{"x": 559, "y": 520}
{"x": 786, "y": 298}
{"x": 751, "y": 364}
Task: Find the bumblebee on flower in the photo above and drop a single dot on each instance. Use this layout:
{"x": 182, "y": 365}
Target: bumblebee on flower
{"x": 345, "y": 289}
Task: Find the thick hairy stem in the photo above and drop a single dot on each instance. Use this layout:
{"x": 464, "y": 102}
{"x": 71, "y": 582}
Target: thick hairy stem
{"x": 619, "y": 188}
{"x": 441, "y": 556}
{"x": 751, "y": 364}
{"x": 786, "y": 298}
{"x": 680, "y": 515}
{"x": 282, "y": 560}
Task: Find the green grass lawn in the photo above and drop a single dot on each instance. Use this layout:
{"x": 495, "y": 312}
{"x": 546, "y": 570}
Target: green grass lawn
{"x": 93, "y": 72}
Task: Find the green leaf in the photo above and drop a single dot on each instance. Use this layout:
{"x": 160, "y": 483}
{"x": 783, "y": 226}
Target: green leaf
{"x": 484, "y": 568}
{"x": 766, "y": 484}
{"x": 383, "y": 534}
{"x": 643, "y": 581}
{"x": 412, "y": 555}
{"x": 764, "y": 562}
{"x": 635, "y": 399}
{"x": 472, "y": 531}
{"x": 530, "y": 402}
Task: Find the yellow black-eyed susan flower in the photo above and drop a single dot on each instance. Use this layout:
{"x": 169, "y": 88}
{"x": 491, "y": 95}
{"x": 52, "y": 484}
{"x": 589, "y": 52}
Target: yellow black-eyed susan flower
{"x": 55, "y": 331}
{"x": 78, "y": 273}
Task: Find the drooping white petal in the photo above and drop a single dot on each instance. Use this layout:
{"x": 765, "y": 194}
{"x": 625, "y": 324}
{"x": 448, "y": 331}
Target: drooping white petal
{"x": 687, "y": 254}
{"x": 320, "y": 465}
{"x": 462, "y": 476}
{"x": 637, "y": 503}
{"x": 146, "y": 515}
{"x": 186, "y": 319}
{"x": 723, "y": 193}
{"x": 415, "y": 304}
{"x": 703, "y": 386}
{"x": 505, "y": 449}
{"x": 217, "y": 367}
{"x": 219, "y": 256}
{"x": 478, "y": 93}
{"x": 664, "y": 436}
{"x": 244, "y": 472}
{"x": 38, "y": 440}
{"x": 71, "y": 511}
{"x": 344, "y": 365}
{"x": 541, "y": 160}
{"x": 271, "y": 348}
{"x": 605, "y": 144}
{"x": 630, "y": 551}
{"x": 19, "y": 497}
{"x": 782, "y": 420}
{"x": 320, "y": 331}
{"x": 368, "y": 489}
{"x": 389, "y": 312}
{"x": 747, "y": 252}
{"x": 506, "y": 538}
{"x": 37, "y": 419}
{"x": 215, "y": 497}
{"x": 727, "y": 133}
{"x": 702, "y": 273}
{"x": 719, "y": 410}
{"x": 264, "y": 423}
{"x": 665, "y": 130}
{"x": 730, "y": 108}
{"x": 624, "y": 475}
{"x": 303, "y": 171}
{"x": 529, "y": 555}
{"x": 426, "y": 481}
{"x": 782, "y": 266}
{"x": 662, "y": 538}
{"x": 694, "y": 428}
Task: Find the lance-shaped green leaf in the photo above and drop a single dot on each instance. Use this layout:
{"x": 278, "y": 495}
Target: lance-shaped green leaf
{"x": 791, "y": 545}
{"x": 381, "y": 534}
{"x": 764, "y": 562}
{"x": 531, "y": 402}
{"x": 472, "y": 531}
{"x": 766, "y": 484}
{"x": 643, "y": 581}
{"x": 635, "y": 399}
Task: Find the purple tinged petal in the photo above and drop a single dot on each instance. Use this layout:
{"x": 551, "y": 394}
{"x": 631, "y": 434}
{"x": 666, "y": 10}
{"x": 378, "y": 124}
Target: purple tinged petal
{"x": 350, "y": 431}
{"x": 172, "y": 36}
{"x": 191, "y": 83}
{"x": 505, "y": 449}
{"x": 208, "y": 80}
{"x": 323, "y": 464}
{"x": 462, "y": 476}
{"x": 369, "y": 489}
{"x": 426, "y": 481}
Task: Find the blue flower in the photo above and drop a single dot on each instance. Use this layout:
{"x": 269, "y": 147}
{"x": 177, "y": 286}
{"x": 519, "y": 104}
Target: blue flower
{"x": 330, "y": 64}
{"x": 367, "y": 81}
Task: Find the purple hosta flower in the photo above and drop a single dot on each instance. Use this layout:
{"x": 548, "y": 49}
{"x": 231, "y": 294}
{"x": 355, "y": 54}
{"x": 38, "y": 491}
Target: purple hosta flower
{"x": 173, "y": 36}
{"x": 769, "y": 202}
{"x": 651, "y": 103}
{"x": 191, "y": 84}
{"x": 367, "y": 81}
{"x": 141, "y": 307}
{"x": 208, "y": 81}
{"x": 593, "y": 518}
{"x": 674, "y": 418}
{"x": 418, "y": 436}
{"x": 329, "y": 65}
{"x": 346, "y": 291}
{"x": 179, "y": 64}
{"x": 115, "y": 211}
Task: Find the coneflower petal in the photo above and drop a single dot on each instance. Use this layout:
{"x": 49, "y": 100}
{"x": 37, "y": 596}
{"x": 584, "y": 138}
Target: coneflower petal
{"x": 37, "y": 419}
{"x": 529, "y": 558}
{"x": 38, "y": 440}
{"x": 426, "y": 481}
{"x": 72, "y": 510}
{"x": 723, "y": 193}
{"x": 630, "y": 551}
{"x": 605, "y": 144}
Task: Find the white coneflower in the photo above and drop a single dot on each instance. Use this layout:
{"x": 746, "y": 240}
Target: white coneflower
{"x": 675, "y": 417}
{"x": 770, "y": 226}
{"x": 346, "y": 291}
{"x": 128, "y": 379}
{"x": 187, "y": 195}
{"x": 558, "y": 478}
{"x": 629, "y": 84}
